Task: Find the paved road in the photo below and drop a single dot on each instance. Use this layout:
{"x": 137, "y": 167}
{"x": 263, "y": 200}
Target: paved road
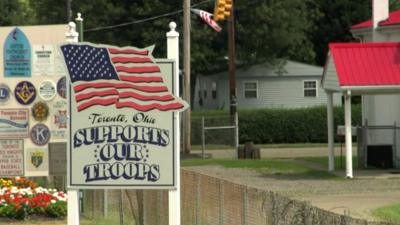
{"x": 278, "y": 152}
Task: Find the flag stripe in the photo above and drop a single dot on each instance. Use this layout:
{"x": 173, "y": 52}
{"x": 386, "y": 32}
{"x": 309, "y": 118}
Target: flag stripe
{"x": 84, "y": 96}
{"x": 128, "y": 51}
{"x": 122, "y": 59}
{"x": 97, "y": 101}
{"x": 140, "y": 79}
{"x": 81, "y": 87}
{"x": 141, "y": 69}
{"x": 145, "y": 108}
{"x": 162, "y": 98}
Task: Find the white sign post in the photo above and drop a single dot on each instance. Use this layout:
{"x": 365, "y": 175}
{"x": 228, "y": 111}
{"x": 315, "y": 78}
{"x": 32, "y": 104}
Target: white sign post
{"x": 174, "y": 196}
{"x": 73, "y": 194}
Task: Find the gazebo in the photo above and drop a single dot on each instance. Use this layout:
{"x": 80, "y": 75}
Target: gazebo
{"x": 358, "y": 69}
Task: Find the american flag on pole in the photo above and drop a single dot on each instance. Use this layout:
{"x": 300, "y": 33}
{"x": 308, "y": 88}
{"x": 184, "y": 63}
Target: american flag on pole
{"x": 123, "y": 77}
{"x": 206, "y": 17}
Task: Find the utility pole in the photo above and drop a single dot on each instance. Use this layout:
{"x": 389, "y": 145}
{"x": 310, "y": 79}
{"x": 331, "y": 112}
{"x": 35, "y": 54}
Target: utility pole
{"x": 69, "y": 11}
{"x": 231, "y": 63}
{"x": 223, "y": 10}
{"x": 186, "y": 72}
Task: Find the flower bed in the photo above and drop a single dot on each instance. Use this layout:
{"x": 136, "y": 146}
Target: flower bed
{"x": 20, "y": 198}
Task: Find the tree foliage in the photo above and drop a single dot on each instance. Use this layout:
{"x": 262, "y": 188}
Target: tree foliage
{"x": 266, "y": 30}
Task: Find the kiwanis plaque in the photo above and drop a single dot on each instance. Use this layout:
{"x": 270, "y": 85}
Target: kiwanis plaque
{"x": 122, "y": 106}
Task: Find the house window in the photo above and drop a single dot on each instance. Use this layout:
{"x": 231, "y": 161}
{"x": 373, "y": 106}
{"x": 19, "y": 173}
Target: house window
{"x": 310, "y": 88}
{"x": 214, "y": 90}
{"x": 250, "y": 89}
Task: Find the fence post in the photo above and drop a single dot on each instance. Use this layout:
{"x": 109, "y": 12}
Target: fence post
{"x": 221, "y": 202}
{"x": 159, "y": 205}
{"x": 105, "y": 203}
{"x": 198, "y": 197}
{"x": 237, "y": 134}
{"x": 245, "y": 206}
{"x": 203, "y": 138}
{"x": 121, "y": 209}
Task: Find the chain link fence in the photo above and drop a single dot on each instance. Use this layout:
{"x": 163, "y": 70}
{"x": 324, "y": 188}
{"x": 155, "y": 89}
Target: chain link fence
{"x": 207, "y": 200}
{"x": 223, "y": 137}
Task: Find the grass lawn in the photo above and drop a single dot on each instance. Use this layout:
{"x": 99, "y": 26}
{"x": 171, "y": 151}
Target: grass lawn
{"x": 388, "y": 213}
{"x": 324, "y": 161}
{"x": 268, "y": 167}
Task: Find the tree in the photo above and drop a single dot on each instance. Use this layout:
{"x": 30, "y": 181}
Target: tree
{"x": 15, "y": 12}
{"x": 336, "y": 20}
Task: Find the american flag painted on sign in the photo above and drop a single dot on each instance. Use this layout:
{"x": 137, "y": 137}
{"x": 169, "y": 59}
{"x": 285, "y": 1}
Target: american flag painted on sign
{"x": 124, "y": 77}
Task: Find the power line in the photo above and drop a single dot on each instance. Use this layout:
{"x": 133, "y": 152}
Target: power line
{"x": 143, "y": 20}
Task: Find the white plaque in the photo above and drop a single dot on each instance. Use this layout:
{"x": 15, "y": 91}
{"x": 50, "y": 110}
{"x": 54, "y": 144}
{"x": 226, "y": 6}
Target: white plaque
{"x": 11, "y": 158}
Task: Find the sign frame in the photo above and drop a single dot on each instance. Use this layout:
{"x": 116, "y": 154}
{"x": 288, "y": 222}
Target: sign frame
{"x": 166, "y": 186}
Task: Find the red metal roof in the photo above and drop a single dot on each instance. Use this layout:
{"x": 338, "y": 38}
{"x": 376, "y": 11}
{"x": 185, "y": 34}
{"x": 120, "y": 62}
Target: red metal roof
{"x": 367, "y": 64}
{"x": 394, "y": 19}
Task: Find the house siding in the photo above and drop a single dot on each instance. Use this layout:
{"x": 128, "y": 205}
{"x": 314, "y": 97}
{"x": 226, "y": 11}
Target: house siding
{"x": 282, "y": 93}
{"x": 330, "y": 81}
{"x": 275, "y": 90}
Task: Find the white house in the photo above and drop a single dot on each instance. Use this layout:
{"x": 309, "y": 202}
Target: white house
{"x": 293, "y": 86}
{"x": 371, "y": 69}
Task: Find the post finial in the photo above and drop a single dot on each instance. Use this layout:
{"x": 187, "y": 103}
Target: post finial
{"x": 172, "y": 26}
{"x": 79, "y": 17}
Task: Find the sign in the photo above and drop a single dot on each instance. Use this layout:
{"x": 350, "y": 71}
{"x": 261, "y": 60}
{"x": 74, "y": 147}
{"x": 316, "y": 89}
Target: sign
{"x": 4, "y": 93}
{"x": 25, "y": 92}
{"x": 43, "y": 60}
{"x": 58, "y": 159}
{"x": 17, "y": 55}
{"x": 11, "y": 158}
{"x": 62, "y": 87}
{"x": 59, "y": 67}
{"x": 40, "y": 111}
{"x": 122, "y": 135}
{"x": 37, "y": 161}
{"x": 47, "y": 90}
{"x": 14, "y": 123}
{"x": 59, "y": 120}
{"x": 40, "y": 134}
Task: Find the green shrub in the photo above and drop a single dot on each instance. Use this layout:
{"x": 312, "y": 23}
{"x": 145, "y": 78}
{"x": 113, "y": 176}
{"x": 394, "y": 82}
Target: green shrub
{"x": 303, "y": 125}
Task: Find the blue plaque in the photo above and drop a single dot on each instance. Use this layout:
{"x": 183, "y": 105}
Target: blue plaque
{"x": 17, "y": 55}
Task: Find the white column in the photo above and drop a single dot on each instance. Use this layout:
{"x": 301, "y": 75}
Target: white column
{"x": 174, "y": 196}
{"x": 347, "y": 122}
{"x": 73, "y": 195}
{"x": 380, "y": 12}
{"x": 331, "y": 149}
